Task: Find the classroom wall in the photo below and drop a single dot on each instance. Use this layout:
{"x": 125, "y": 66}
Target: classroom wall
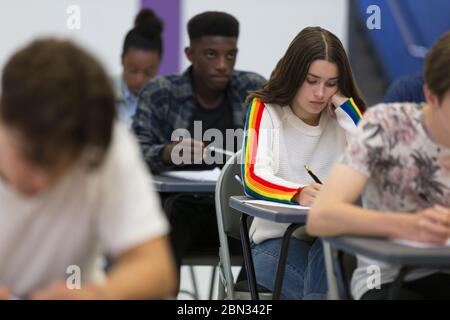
{"x": 267, "y": 26}
{"x": 103, "y": 25}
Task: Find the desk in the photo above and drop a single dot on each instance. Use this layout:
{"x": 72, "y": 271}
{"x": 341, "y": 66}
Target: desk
{"x": 275, "y": 214}
{"x": 391, "y": 252}
{"x": 295, "y": 217}
{"x": 164, "y": 184}
{"x": 169, "y": 184}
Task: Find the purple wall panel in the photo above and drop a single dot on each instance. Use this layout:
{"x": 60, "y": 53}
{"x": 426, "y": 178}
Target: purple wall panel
{"x": 170, "y": 12}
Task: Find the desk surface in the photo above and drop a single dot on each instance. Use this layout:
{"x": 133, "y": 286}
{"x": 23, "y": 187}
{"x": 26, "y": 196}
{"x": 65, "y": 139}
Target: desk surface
{"x": 276, "y": 214}
{"x": 388, "y": 251}
{"x": 169, "y": 184}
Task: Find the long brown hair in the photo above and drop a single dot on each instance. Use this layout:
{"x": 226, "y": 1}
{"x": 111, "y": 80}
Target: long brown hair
{"x": 312, "y": 43}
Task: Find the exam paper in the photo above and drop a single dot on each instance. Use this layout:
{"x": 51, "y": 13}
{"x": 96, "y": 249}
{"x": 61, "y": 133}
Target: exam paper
{"x": 417, "y": 244}
{"x": 193, "y": 175}
{"x": 277, "y": 204}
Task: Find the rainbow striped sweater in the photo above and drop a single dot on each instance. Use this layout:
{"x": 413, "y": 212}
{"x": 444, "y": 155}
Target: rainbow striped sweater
{"x": 263, "y": 176}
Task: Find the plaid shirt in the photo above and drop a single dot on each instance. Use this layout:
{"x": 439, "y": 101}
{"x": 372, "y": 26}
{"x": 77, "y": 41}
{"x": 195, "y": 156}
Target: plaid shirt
{"x": 167, "y": 103}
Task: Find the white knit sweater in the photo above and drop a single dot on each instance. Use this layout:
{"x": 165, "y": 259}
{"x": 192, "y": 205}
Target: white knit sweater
{"x": 286, "y": 144}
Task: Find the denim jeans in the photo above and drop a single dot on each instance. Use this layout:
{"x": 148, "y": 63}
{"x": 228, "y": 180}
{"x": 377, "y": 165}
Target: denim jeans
{"x": 304, "y": 276}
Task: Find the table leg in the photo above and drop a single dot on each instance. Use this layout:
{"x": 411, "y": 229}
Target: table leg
{"x": 282, "y": 260}
{"x": 248, "y": 260}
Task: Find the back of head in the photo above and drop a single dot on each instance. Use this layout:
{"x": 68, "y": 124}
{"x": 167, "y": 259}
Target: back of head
{"x": 213, "y": 23}
{"x": 146, "y": 33}
{"x": 437, "y": 67}
{"x": 311, "y": 44}
{"x": 59, "y": 100}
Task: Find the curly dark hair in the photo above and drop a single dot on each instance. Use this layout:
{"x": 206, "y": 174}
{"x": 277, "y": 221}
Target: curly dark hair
{"x": 59, "y": 99}
{"x": 213, "y": 23}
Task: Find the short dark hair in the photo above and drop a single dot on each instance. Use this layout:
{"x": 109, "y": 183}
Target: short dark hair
{"x": 146, "y": 33}
{"x": 60, "y": 101}
{"x": 311, "y": 44}
{"x": 437, "y": 66}
{"x": 213, "y": 23}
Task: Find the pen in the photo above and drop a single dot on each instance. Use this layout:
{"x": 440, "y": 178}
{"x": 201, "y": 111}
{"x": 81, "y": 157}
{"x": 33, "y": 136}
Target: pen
{"x": 238, "y": 179}
{"x": 219, "y": 150}
{"x": 315, "y": 178}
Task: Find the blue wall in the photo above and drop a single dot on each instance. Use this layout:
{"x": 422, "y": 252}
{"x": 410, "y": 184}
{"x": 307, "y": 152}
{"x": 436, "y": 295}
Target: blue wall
{"x": 426, "y": 20}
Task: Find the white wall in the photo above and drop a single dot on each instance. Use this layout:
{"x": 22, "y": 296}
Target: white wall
{"x": 268, "y": 26}
{"x": 103, "y": 25}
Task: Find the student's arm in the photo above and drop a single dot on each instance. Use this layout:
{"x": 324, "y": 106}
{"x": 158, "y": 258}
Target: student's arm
{"x": 151, "y": 114}
{"x": 145, "y": 271}
{"x": 136, "y": 268}
{"x": 347, "y": 113}
{"x": 334, "y": 214}
{"x": 259, "y": 159}
{"x": 5, "y": 294}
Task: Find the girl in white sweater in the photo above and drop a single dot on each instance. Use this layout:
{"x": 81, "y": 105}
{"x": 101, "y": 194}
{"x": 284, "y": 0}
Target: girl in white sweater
{"x": 302, "y": 116}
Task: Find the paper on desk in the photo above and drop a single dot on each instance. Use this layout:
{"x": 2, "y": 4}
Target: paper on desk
{"x": 277, "y": 204}
{"x": 417, "y": 244}
{"x": 199, "y": 175}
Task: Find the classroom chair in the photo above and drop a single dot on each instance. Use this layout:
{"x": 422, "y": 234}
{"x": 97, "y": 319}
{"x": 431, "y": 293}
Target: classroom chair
{"x": 228, "y": 225}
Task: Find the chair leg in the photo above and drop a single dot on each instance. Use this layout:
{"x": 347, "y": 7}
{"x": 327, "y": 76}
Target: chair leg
{"x": 211, "y": 286}
{"x": 333, "y": 289}
{"x": 194, "y": 283}
{"x": 221, "y": 286}
{"x": 225, "y": 269}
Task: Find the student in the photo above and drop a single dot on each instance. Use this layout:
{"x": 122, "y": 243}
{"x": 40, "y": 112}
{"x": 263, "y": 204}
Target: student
{"x": 302, "y": 116}
{"x": 73, "y": 185}
{"x": 210, "y": 93}
{"x": 400, "y": 164}
{"x": 141, "y": 57}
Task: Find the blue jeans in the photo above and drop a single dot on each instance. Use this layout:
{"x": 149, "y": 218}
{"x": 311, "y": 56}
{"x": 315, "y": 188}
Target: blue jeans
{"x": 304, "y": 276}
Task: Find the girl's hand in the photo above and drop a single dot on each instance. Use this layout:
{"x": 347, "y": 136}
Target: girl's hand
{"x": 308, "y": 194}
{"x": 336, "y": 101}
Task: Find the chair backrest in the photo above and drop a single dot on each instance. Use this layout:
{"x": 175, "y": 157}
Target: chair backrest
{"x": 228, "y": 185}
{"x": 227, "y": 220}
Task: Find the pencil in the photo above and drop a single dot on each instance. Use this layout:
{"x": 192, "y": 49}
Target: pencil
{"x": 315, "y": 178}
{"x": 219, "y": 150}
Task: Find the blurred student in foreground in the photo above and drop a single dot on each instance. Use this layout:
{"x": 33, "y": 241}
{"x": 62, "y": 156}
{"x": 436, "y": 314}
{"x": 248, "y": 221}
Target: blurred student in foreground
{"x": 73, "y": 185}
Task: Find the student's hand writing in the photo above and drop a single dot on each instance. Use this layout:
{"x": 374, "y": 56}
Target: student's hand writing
{"x": 308, "y": 194}
{"x": 59, "y": 291}
{"x": 430, "y": 225}
{"x": 182, "y": 152}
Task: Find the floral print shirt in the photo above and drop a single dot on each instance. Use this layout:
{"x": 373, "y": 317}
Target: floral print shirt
{"x": 406, "y": 171}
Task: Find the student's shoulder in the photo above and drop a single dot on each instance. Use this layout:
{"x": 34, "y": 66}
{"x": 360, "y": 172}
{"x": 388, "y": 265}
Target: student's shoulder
{"x": 247, "y": 80}
{"x": 123, "y": 149}
{"x": 271, "y": 111}
{"x": 160, "y": 85}
{"x": 393, "y": 116}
